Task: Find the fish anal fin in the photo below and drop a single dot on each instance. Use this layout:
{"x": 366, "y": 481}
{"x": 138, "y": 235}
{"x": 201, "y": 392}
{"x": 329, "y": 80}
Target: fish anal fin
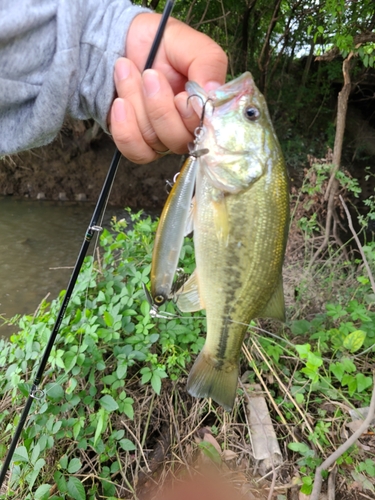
{"x": 275, "y": 307}
{"x": 208, "y": 378}
{"x": 187, "y": 298}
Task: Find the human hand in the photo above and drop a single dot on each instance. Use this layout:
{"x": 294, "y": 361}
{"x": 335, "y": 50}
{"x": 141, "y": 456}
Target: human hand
{"x": 151, "y": 112}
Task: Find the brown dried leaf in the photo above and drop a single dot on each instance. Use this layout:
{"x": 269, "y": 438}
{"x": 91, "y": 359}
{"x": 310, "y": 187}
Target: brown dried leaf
{"x": 228, "y": 455}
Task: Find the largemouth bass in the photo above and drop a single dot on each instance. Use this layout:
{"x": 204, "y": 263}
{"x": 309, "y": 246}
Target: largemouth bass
{"x": 240, "y": 219}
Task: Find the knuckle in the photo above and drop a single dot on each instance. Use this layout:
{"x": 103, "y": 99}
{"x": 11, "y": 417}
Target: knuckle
{"x": 149, "y": 134}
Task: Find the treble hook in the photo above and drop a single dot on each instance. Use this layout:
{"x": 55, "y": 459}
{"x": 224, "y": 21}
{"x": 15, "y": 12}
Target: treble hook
{"x": 204, "y": 104}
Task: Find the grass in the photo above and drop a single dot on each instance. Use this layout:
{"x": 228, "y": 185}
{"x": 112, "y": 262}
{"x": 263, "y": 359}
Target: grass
{"x": 116, "y": 420}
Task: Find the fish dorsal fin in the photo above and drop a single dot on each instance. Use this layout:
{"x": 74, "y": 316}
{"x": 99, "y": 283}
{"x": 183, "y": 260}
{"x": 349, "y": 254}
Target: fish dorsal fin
{"x": 189, "y": 227}
{"x": 187, "y": 297}
{"x": 275, "y": 307}
{"x": 221, "y": 221}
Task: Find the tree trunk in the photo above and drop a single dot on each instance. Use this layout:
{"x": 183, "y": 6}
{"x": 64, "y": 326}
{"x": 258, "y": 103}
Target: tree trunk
{"x": 265, "y": 55}
{"x": 342, "y": 106}
{"x": 245, "y": 35}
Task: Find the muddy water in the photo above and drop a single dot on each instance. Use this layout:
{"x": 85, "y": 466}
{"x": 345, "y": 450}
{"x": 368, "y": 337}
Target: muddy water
{"x": 39, "y": 244}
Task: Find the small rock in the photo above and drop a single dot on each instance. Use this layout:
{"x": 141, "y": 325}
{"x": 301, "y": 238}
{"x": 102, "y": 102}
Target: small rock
{"x": 80, "y": 197}
{"x": 62, "y": 197}
{"x": 40, "y": 196}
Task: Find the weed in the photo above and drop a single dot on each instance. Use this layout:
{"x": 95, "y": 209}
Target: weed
{"x": 107, "y": 343}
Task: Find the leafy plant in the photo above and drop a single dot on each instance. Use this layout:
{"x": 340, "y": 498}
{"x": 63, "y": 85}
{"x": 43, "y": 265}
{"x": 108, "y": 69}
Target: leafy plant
{"x": 107, "y": 342}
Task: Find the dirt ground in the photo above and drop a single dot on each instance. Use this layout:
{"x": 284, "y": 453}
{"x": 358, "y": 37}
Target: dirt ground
{"x": 66, "y": 169}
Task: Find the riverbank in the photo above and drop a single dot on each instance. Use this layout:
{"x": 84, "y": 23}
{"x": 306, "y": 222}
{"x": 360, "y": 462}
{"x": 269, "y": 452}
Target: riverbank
{"x": 69, "y": 169}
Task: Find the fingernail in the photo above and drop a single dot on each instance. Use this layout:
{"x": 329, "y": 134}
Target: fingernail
{"x": 184, "y": 107}
{"x": 119, "y": 110}
{"x": 151, "y": 83}
{"x": 211, "y": 86}
{"x": 122, "y": 69}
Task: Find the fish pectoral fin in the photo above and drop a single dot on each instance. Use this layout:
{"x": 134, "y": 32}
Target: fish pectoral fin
{"x": 189, "y": 227}
{"x": 210, "y": 379}
{"x": 275, "y": 307}
{"x": 221, "y": 219}
{"x": 187, "y": 298}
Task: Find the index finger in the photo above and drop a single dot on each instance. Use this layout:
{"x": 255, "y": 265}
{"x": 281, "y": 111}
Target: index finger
{"x": 195, "y": 55}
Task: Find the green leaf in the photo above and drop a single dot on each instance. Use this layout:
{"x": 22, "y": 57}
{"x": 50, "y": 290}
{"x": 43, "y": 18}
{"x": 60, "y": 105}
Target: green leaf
{"x": 56, "y": 427}
{"x": 108, "y": 318}
{"x": 145, "y": 308}
{"x": 303, "y": 350}
{"x": 146, "y": 377}
{"x": 300, "y": 327}
{"x": 76, "y": 489}
{"x": 39, "y": 464}
{"x": 128, "y": 409}
{"x": 210, "y": 451}
{"x": 156, "y": 383}
{"x": 127, "y": 445}
{"x": 74, "y": 465}
{"x": 121, "y": 371}
{"x": 60, "y": 481}
{"x": 64, "y": 461}
{"x": 35, "y": 454}
{"x": 363, "y": 382}
{"x": 71, "y": 385}
{"x": 42, "y": 492}
{"x": 354, "y": 341}
{"x": 338, "y": 370}
{"x": 300, "y": 448}
{"x": 108, "y": 403}
{"x": 100, "y": 424}
{"x": 348, "y": 365}
{"x": 24, "y": 388}
{"x": 351, "y": 382}
{"x": 70, "y": 360}
{"x": 55, "y": 392}
{"x": 20, "y": 454}
{"x": 77, "y": 428}
{"x": 300, "y": 398}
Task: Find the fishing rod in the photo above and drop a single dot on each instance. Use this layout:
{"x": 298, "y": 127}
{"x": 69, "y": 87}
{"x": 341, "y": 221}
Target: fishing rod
{"x": 35, "y": 392}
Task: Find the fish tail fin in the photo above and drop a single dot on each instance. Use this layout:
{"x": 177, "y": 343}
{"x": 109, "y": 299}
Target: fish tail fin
{"x": 209, "y": 379}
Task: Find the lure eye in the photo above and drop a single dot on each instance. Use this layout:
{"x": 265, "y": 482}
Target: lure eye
{"x": 159, "y": 300}
{"x": 252, "y": 113}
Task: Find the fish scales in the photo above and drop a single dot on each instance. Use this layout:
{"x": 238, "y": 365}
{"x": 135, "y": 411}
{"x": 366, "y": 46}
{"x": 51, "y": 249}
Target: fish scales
{"x": 229, "y": 274}
{"x": 243, "y": 177}
{"x": 240, "y": 219}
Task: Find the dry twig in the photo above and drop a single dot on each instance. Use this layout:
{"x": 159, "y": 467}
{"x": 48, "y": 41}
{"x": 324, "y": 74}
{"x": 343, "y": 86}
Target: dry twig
{"x": 360, "y": 248}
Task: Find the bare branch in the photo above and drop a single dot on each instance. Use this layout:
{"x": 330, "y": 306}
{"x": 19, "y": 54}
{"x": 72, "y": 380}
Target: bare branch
{"x": 360, "y": 248}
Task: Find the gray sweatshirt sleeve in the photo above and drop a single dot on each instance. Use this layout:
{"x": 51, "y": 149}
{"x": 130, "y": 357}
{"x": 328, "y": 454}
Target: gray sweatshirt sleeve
{"x": 57, "y": 57}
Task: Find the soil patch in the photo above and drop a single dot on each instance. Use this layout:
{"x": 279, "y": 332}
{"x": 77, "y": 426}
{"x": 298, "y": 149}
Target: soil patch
{"x": 67, "y": 171}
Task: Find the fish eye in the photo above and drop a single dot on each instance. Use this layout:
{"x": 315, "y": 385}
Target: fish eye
{"x": 159, "y": 300}
{"x": 252, "y": 113}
